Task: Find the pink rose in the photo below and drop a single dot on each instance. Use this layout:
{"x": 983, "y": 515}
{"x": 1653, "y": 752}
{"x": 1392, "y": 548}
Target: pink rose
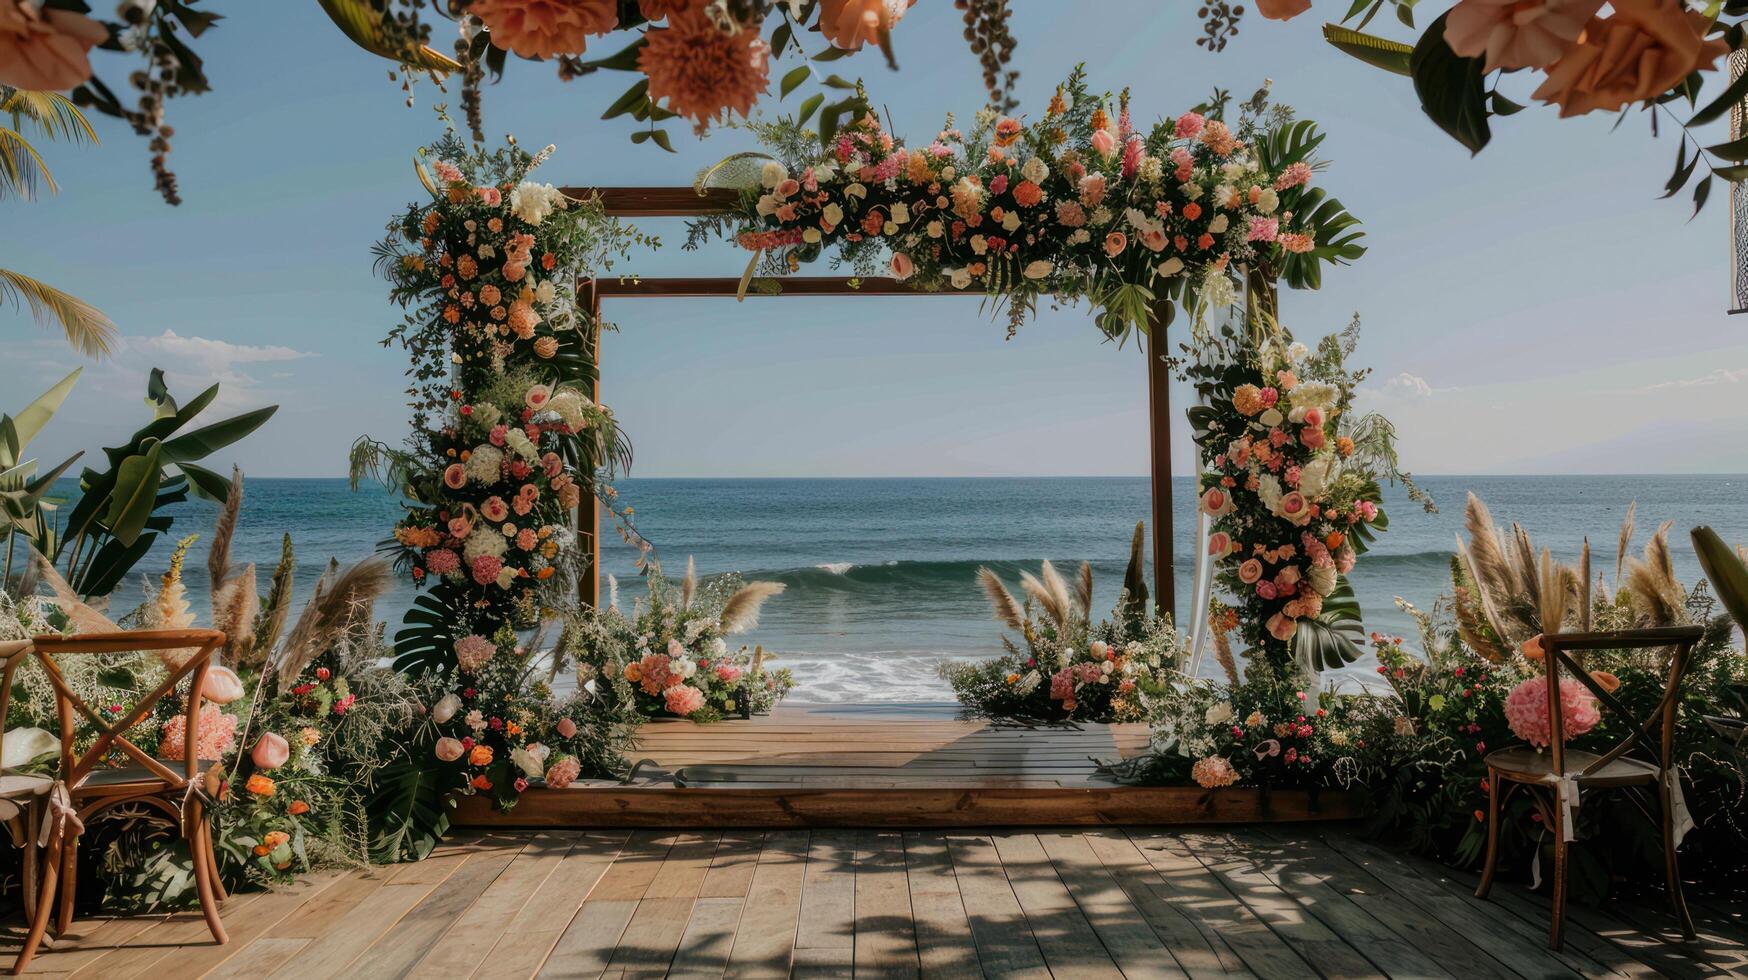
{"x": 1188, "y": 125}
{"x": 1265, "y": 589}
{"x": 1312, "y": 436}
{"x": 460, "y": 527}
{"x": 998, "y": 184}
{"x": 1314, "y": 416}
{"x": 1287, "y": 576}
{"x": 45, "y": 49}
{"x": 1155, "y": 239}
{"x": 1295, "y": 508}
{"x": 1513, "y": 34}
{"x": 1250, "y": 572}
{"x": 1115, "y": 242}
{"x": 1216, "y": 502}
{"x": 496, "y": 437}
{"x": 787, "y": 188}
{"x": 494, "y": 509}
{"x": 902, "y": 267}
{"x": 1269, "y": 397}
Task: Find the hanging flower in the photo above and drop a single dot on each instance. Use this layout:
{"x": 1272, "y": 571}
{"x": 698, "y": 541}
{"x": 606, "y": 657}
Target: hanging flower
{"x": 43, "y": 49}
{"x": 1517, "y": 33}
{"x": 545, "y": 28}
{"x": 701, "y": 70}
{"x": 1640, "y": 51}
{"x": 1282, "y": 9}
{"x": 848, "y": 24}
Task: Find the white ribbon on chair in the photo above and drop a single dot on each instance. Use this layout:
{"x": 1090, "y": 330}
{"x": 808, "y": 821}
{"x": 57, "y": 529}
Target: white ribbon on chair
{"x": 59, "y": 815}
{"x": 1568, "y": 803}
{"x": 1677, "y": 804}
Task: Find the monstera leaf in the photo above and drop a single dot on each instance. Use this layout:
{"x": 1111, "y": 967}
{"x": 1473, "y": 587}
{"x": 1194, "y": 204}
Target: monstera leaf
{"x": 1726, "y": 569}
{"x": 1333, "y": 638}
{"x": 408, "y": 810}
{"x": 426, "y": 642}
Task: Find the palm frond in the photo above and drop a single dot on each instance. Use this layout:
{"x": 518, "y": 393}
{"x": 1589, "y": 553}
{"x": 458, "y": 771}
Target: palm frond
{"x": 87, "y": 329}
{"x": 741, "y": 612}
{"x": 54, "y": 117}
{"x": 1007, "y": 608}
{"x": 22, "y": 167}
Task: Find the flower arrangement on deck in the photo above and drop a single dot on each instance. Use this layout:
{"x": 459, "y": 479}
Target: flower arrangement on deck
{"x": 1067, "y": 667}
{"x": 1290, "y": 478}
{"x": 1080, "y": 203}
{"x": 671, "y": 656}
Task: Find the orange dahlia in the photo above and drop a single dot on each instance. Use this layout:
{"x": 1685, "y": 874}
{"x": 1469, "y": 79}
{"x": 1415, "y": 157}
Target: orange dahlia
{"x": 545, "y": 28}
{"x": 701, "y": 70}
{"x": 661, "y": 9}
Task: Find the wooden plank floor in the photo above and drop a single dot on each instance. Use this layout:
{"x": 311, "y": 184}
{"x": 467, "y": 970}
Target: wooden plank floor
{"x": 1283, "y": 901}
{"x": 888, "y": 745}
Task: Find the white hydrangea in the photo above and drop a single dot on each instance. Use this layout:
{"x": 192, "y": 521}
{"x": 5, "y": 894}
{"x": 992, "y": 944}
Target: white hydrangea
{"x": 1313, "y": 394}
{"x": 571, "y": 406}
{"x": 484, "y": 540}
{"x": 1268, "y": 200}
{"x": 533, "y": 202}
{"x": 1035, "y": 170}
{"x": 1316, "y": 476}
{"x": 774, "y": 173}
{"x": 485, "y": 464}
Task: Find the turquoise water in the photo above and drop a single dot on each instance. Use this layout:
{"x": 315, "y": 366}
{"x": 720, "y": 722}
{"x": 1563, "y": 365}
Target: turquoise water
{"x": 880, "y": 572}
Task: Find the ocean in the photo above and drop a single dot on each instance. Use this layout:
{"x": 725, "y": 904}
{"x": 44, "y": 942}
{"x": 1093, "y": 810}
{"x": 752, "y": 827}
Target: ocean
{"x": 880, "y": 572}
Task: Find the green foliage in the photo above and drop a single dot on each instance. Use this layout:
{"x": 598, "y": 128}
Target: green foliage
{"x": 409, "y": 806}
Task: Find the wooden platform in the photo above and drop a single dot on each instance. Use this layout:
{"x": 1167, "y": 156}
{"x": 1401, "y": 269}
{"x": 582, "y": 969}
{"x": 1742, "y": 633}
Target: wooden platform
{"x": 1286, "y": 902}
{"x": 918, "y": 765}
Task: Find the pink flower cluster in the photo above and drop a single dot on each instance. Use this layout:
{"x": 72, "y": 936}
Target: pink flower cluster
{"x": 1526, "y": 710}
{"x": 218, "y": 732}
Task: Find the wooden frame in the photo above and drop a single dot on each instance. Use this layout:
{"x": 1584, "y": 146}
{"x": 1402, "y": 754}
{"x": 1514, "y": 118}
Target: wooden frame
{"x": 676, "y": 202}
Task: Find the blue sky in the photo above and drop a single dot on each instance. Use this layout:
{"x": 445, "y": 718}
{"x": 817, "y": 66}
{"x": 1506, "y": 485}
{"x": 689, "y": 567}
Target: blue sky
{"x": 1535, "y": 309}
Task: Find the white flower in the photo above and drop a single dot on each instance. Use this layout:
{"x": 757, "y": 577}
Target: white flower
{"x": 1080, "y": 237}
{"x": 767, "y": 205}
{"x": 857, "y": 190}
{"x": 1219, "y": 714}
{"x": 533, "y": 202}
{"x": 1170, "y": 267}
{"x": 960, "y": 278}
{"x": 1225, "y": 196}
{"x": 774, "y": 173}
{"x": 1316, "y": 476}
{"x": 1065, "y": 656}
{"x": 979, "y": 245}
{"x": 1101, "y": 215}
{"x": 545, "y": 293}
{"x": 1297, "y": 351}
{"x": 1268, "y": 490}
{"x": 900, "y": 213}
{"x": 1011, "y": 221}
{"x": 1322, "y": 578}
{"x": 506, "y": 577}
{"x": 485, "y": 464}
{"x": 1313, "y": 394}
{"x": 484, "y": 540}
{"x": 1217, "y": 290}
{"x": 934, "y": 229}
{"x": 445, "y": 708}
{"x": 1028, "y": 683}
{"x": 1219, "y": 225}
{"x": 487, "y": 252}
{"x": 530, "y": 762}
{"x": 523, "y": 446}
{"x": 1035, "y": 170}
{"x": 1268, "y": 201}
{"x": 488, "y": 414}
{"x": 718, "y": 647}
{"x": 1038, "y": 269}
{"x": 1108, "y": 666}
{"x": 1271, "y": 418}
{"x": 1234, "y": 170}
{"x": 811, "y": 236}
{"x": 1191, "y": 191}
{"x": 834, "y": 214}
{"x": 676, "y": 649}
{"x": 475, "y": 720}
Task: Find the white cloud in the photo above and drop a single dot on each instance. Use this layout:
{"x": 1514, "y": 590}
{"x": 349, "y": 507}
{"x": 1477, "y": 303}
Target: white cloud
{"x": 1721, "y": 376}
{"x": 1403, "y": 386}
{"x": 202, "y": 358}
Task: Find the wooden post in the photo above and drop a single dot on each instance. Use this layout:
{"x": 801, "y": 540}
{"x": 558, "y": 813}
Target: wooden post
{"x": 1159, "y": 453}
{"x": 589, "y": 510}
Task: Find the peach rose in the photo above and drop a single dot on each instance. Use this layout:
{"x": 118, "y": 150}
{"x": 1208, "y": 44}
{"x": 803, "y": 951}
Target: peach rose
{"x": 1636, "y": 53}
{"x": 1216, "y": 502}
{"x": 902, "y": 267}
{"x": 45, "y": 50}
{"x": 1282, "y": 627}
{"x": 1517, "y": 33}
{"x": 1282, "y": 9}
{"x": 545, "y": 28}
{"x": 849, "y": 24}
{"x": 1219, "y": 544}
{"x": 1115, "y": 242}
{"x": 1250, "y": 572}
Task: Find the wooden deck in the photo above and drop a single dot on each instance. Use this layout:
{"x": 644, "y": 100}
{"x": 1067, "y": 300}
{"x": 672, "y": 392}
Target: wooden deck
{"x": 1281, "y": 902}
{"x": 917, "y": 765}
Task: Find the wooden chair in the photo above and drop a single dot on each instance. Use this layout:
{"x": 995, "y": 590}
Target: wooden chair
{"x": 1557, "y": 775}
{"x": 91, "y": 785}
{"x": 20, "y": 793}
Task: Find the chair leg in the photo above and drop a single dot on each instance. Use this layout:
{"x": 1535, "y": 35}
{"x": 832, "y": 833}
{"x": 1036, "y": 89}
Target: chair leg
{"x": 206, "y": 876}
{"x": 218, "y": 883}
{"x": 1558, "y": 902}
{"x": 1491, "y": 864}
{"x": 69, "y": 883}
{"x": 44, "y": 908}
{"x": 1671, "y": 869}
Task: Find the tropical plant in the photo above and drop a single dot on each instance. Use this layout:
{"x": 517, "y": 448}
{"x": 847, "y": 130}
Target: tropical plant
{"x": 24, "y": 501}
{"x": 48, "y": 115}
{"x": 122, "y": 509}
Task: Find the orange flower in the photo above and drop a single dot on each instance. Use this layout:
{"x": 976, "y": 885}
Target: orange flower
{"x": 1344, "y": 446}
{"x": 1605, "y": 680}
{"x": 275, "y": 838}
{"x": 545, "y": 28}
{"x": 1637, "y": 53}
{"x": 480, "y": 782}
{"x": 848, "y": 24}
{"x": 1334, "y": 540}
{"x": 701, "y": 71}
{"x": 259, "y": 785}
{"x": 1282, "y": 9}
{"x": 480, "y": 756}
{"x": 298, "y": 808}
{"x": 1532, "y": 648}
{"x": 262, "y": 850}
{"x": 43, "y": 49}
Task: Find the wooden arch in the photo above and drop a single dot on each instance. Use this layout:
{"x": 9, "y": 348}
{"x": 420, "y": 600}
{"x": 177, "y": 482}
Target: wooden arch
{"x": 684, "y": 202}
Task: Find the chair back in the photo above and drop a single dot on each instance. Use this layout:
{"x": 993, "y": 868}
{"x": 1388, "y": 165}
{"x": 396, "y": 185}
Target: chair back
{"x": 1557, "y": 651}
{"x": 12, "y": 653}
{"x": 75, "y": 765}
